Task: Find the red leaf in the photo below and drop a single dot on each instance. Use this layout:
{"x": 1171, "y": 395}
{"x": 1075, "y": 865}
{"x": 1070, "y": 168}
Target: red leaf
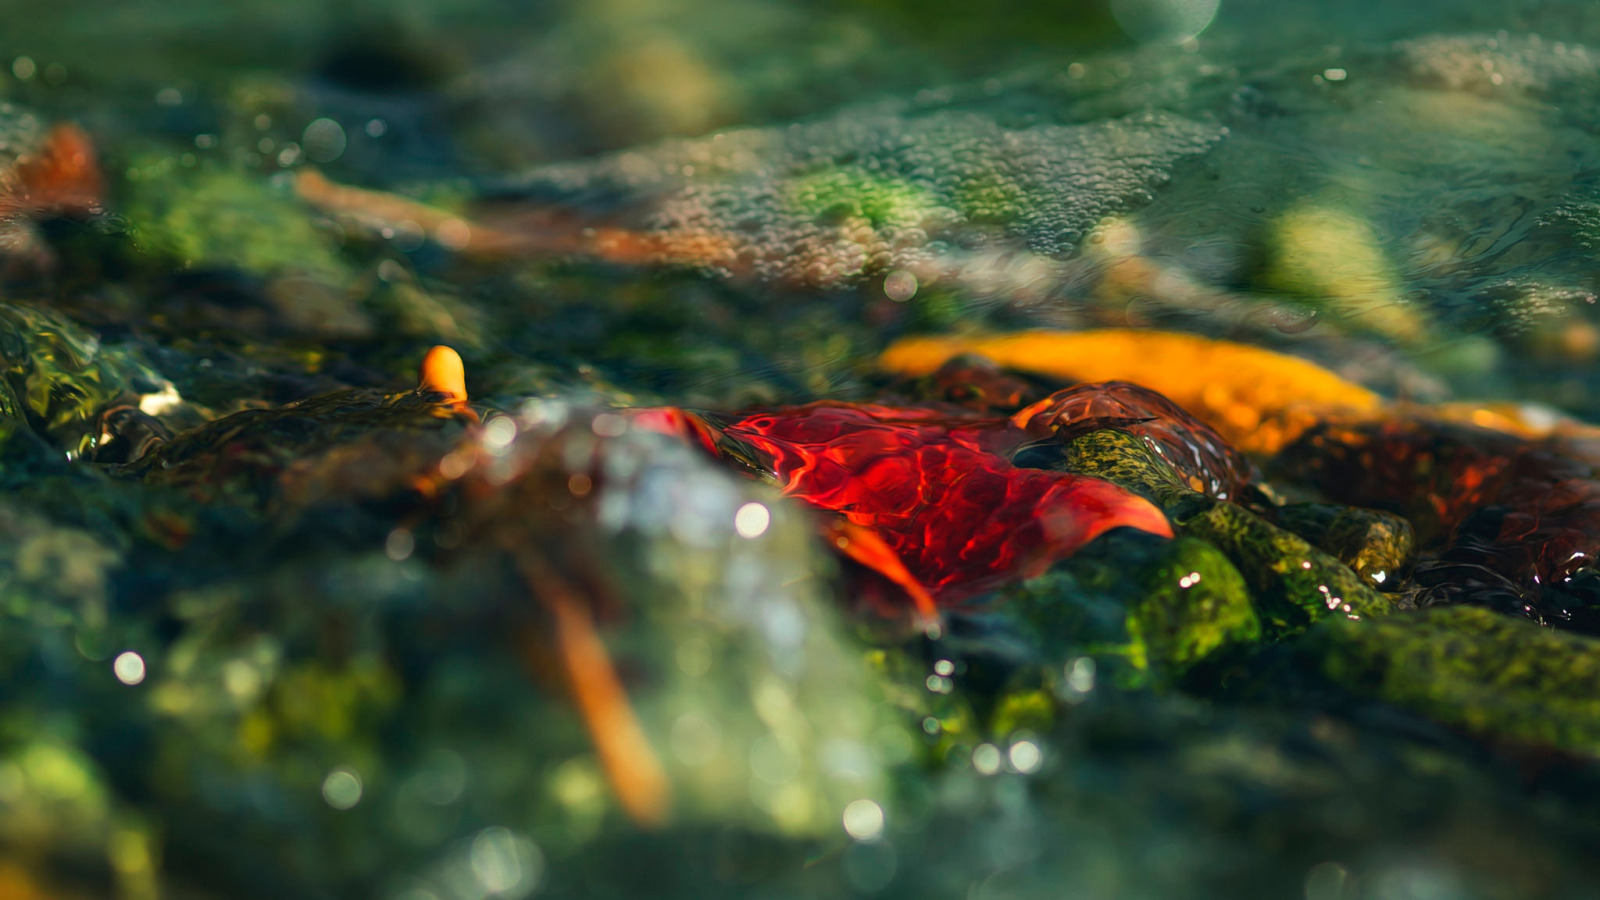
{"x": 939, "y": 491}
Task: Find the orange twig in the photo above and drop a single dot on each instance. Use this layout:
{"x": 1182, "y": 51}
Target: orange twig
{"x": 377, "y": 209}
{"x": 626, "y": 757}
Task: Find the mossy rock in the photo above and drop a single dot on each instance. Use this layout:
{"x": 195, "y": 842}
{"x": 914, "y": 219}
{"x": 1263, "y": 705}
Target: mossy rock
{"x": 1192, "y": 603}
{"x": 1186, "y": 602}
{"x": 211, "y": 215}
{"x": 1464, "y": 666}
{"x": 1375, "y": 545}
{"x": 1294, "y": 583}
{"x": 843, "y": 194}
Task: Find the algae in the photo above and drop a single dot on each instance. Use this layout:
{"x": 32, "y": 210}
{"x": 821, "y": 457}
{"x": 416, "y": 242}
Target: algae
{"x": 1294, "y": 583}
{"x": 1470, "y": 668}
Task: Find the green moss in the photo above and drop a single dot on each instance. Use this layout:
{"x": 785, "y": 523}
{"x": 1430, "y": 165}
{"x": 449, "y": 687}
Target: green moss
{"x": 1080, "y": 607}
{"x": 1125, "y": 460}
{"x": 1184, "y": 602}
{"x": 1376, "y": 545}
{"x": 216, "y": 216}
{"x": 1294, "y": 583}
{"x": 1471, "y": 668}
{"x": 1023, "y": 711}
{"x": 838, "y": 195}
{"x": 1192, "y": 603}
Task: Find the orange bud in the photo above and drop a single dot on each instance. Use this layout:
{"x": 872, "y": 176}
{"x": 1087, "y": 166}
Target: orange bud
{"x": 443, "y": 373}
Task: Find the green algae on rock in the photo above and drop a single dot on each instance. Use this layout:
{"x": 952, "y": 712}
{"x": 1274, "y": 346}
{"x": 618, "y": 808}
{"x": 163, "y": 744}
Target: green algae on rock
{"x": 877, "y": 189}
{"x": 1294, "y": 583}
{"x": 1186, "y": 602}
{"x": 59, "y": 381}
{"x": 213, "y": 215}
{"x": 1375, "y": 545}
{"x": 1011, "y": 666}
{"x": 1488, "y": 674}
{"x": 1194, "y": 603}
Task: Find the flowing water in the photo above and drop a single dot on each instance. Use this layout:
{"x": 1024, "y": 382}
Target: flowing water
{"x": 635, "y": 622}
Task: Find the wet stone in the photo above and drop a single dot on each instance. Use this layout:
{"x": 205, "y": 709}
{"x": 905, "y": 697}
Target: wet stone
{"x": 877, "y": 189}
{"x": 1294, "y": 583}
{"x": 1470, "y": 668}
{"x": 1375, "y": 545}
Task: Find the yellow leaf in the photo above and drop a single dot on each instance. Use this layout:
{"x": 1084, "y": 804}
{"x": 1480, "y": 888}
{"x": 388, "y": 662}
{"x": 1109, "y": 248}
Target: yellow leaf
{"x": 1257, "y": 399}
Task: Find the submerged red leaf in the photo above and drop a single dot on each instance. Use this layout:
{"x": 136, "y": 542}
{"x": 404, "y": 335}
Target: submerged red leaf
{"x": 939, "y": 491}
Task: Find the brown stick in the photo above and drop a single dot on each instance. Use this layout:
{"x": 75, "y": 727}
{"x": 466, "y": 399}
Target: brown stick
{"x": 626, "y": 757}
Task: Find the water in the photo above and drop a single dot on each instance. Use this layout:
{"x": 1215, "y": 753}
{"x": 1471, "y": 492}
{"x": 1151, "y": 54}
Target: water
{"x": 276, "y": 624}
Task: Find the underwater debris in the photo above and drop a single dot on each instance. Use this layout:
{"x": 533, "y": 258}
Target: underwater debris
{"x": 374, "y": 211}
{"x": 590, "y": 516}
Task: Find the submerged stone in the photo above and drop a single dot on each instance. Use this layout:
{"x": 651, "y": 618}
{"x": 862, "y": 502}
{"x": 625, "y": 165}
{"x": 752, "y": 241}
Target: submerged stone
{"x": 1145, "y": 611}
{"x": 1334, "y": 262}
{"x": 1193, "y": 603}
{"x": 1293, "y": 583}
{"x": 1485, "y": 673}
{"x": 1375, "y": 545}
{"x": 878, "y": 188}
{"x": 60, "y": 382}
{"x": 1508, "y": 521}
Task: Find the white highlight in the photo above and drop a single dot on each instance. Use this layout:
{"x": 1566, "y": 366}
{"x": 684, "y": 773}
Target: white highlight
{"x": 752, "y": 520}
{"x": 863, "y": 820}
{"x": 129, "y": 667}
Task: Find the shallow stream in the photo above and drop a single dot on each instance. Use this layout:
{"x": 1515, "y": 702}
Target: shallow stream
{"x": 1126, "y": 449}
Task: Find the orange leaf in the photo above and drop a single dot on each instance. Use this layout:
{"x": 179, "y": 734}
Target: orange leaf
{"x": 1257, "y": 399}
